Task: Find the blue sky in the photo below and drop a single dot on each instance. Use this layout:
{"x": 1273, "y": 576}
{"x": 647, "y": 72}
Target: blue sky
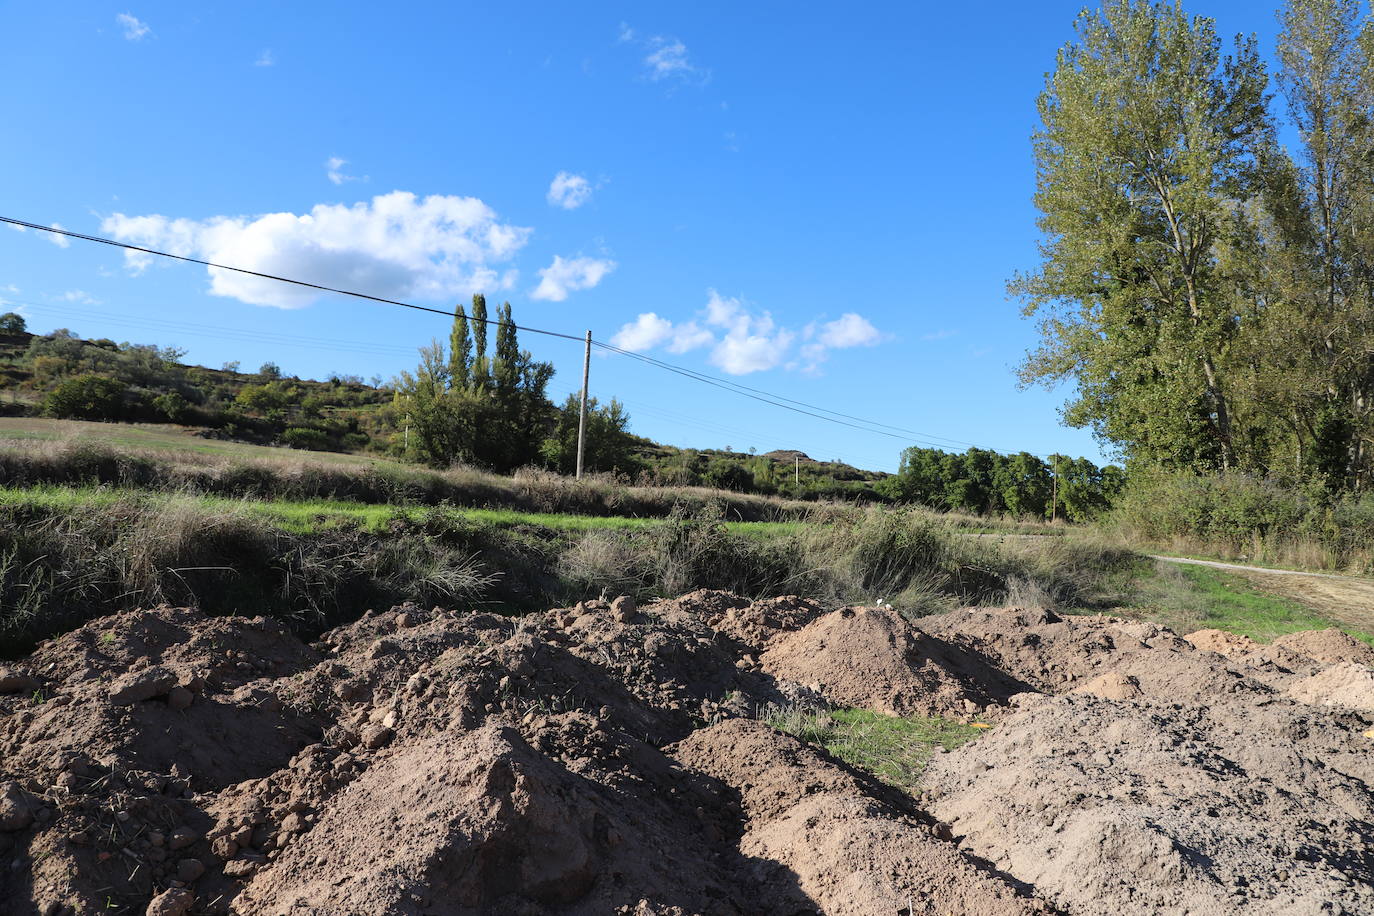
{"x": 821, "y": 201}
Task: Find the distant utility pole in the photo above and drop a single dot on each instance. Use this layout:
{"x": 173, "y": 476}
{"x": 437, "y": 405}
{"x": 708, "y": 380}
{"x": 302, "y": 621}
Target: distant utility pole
{"x": 582, "y": 417}
{"x": 796, "y": 469}
{"x": 1054, "y": 489}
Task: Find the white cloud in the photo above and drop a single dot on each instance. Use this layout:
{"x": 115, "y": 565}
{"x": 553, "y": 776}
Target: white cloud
{"x": 752, "y": 343}
{"x": 644, "y": 333}
{"x": 626, "y": 33}
{"x": 749, "y": 340}
{"x": 569, "y": 191}
{"x": 562, "y": 277}
{"x": 61, "y": 241}
{"x": 333, "y": 167}
{"x": 134, "y": 29}
{"x": 395, "y": 246}
{"x": 265, "y": 59}
{"x": 649, "y": 331}
{"x": 938, "y": 335}
{"x": 17, "y": 228}
{"x": 668, "y": 59}
{"x": 79, "y": 296}
{"x": 849, "y": 330}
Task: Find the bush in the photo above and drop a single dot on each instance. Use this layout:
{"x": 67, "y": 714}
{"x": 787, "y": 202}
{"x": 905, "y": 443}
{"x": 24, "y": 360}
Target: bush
{"x": 86, "y": 397}
{"x": 304, "y": 437}
{"x": 1238, "y": 516}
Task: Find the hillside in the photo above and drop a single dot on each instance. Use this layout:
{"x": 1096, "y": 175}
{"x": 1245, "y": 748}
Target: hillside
{"x": 62, "y": 375}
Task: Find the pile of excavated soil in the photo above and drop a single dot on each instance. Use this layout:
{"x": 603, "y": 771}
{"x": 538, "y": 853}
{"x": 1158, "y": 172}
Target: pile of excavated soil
{"x": 1330, "y": 646}
{"x": 873, "y": 658}
{"x": 1347, "y": 684}
{"x": 1222, "y": 642}
{"x": 606, "y": 759}
{"x": 1176, "y": 779}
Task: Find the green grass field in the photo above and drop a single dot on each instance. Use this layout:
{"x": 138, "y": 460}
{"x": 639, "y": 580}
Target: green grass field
{"x": 311, "y": 516}
{"x": 1189, "y": 598}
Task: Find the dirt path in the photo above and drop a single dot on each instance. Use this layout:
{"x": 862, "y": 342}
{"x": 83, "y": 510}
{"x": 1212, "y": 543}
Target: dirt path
{"x": 1346, "y": 600}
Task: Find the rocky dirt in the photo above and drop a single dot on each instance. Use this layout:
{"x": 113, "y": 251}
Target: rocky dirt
{"x": 609, "y": 759}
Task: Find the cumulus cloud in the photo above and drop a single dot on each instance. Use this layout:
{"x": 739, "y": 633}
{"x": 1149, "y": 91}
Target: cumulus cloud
{"x": 61, "y": 241}
{"x": 569, "y": 191}
{"x": 134, "y": 29}
{"x": 397, "y": 246}
{"x": 849, "y": 330}
{"x": 79, "y": 296}
{"x": 743, "y": 340}
{"x": 265, "y": 59}
{"x": 565, "y": 276}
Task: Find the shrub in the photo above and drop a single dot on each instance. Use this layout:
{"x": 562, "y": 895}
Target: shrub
{"x": 86, "y": 397}
{"x": 304, "y": 437}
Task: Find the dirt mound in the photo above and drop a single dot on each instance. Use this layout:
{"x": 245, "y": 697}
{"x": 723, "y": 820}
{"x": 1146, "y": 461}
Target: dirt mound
{"x": 601, "y": 759}
{"x": 872, "y": 657}
{"x": 1330, "y": 646}
{"x": 850, "y": 846}
{"x": 1222, "y": 642}
{"x": 1111, "y": 807}
{"x": 481, "y": 822}
{"x": 1348, "y": 685}
{"x": 1057, "y": 654}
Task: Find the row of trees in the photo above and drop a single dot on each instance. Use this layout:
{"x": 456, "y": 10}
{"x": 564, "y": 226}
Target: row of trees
{"x": 983, "y": 482}
{"x": 1209, "y": 291}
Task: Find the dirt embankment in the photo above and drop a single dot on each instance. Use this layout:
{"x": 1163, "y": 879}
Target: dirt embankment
{"x": 606, "y": 759}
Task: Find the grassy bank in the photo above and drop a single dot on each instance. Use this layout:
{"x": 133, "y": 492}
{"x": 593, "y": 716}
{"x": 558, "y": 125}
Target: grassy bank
{"x": 238, "y": 471}
{"x": 71, "y": 553}
{"x": 1189, "y": 598}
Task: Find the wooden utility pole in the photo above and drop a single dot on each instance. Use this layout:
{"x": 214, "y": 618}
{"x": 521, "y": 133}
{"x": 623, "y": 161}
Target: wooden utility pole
{"x": 796, "y": 469}
{"x": 1054, "y": 489}
{"x": 582, "y": 417}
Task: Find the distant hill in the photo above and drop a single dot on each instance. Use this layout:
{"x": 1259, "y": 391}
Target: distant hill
{"x": 62, "y": 375}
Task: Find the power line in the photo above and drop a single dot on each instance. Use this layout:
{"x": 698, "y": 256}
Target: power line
{"x": 720, "y": 382}
{"x": 253, "y": 273}
{"x": 801, "y": 407}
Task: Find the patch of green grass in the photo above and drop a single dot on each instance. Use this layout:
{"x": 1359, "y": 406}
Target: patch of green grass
{"x": 1189, "y": 598}
{"x": 895, "y": 750}
{"x": 313, "y": 516}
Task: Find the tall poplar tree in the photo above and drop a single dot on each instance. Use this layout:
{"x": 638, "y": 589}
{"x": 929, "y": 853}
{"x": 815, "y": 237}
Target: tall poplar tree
{"x": 1320, "y": 266}
{"x": 480, "y": 369}
{"x": 460, "y": 350}
{"x": 1149, "y": 139}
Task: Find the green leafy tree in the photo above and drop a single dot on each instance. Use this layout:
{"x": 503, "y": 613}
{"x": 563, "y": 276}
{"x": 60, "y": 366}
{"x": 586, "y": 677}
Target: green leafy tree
{"x": 479, "y": 339}
{"x": 86, "y": 397}
{"x": 497, "y": 416}
{"x": 12, "y": 323}
{"x": 460, "y": 350}
{"x": 1149, "y": 137}
{"x": 608, "y": 445}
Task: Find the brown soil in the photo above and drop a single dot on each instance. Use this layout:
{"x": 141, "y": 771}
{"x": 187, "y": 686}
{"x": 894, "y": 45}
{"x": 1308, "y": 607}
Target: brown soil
{"x": 873, "y": 658}
{"x": 604, "y": 759}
